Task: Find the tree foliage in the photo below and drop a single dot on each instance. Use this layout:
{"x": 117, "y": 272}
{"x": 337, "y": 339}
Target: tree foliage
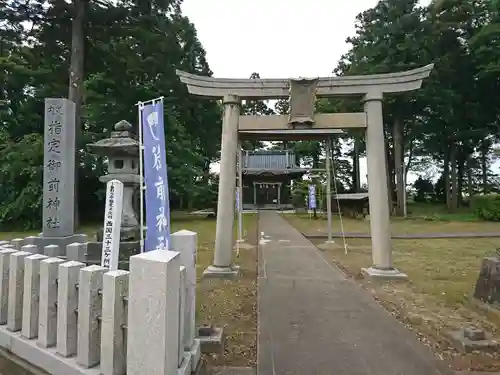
{"x": 131, "y": 49}
{"x": 452, "y": 121}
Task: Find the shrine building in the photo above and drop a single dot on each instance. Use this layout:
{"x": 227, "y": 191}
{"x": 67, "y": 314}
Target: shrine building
{"x": 267, "y": 177}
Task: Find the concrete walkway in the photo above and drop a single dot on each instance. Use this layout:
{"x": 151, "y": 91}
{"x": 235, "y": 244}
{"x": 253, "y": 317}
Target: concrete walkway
{"x": 315, "y": 321}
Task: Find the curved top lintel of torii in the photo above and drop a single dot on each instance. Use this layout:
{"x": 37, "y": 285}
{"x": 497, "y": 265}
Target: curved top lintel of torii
{"x": 372, "y": 84}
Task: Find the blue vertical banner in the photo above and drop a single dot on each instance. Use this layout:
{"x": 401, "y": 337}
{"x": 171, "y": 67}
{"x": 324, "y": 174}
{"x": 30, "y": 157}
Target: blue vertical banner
{"x": 312, "y": 196}
{"x": 155, "y": 177}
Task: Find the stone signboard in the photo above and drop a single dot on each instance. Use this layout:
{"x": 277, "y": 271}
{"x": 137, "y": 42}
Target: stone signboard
{"x": 59, "y": 168}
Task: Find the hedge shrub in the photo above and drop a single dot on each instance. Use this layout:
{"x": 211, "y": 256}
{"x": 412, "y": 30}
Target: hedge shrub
{"x": 486, "y": 207}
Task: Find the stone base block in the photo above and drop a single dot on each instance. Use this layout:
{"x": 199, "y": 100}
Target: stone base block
{"x": 491, "y": 311}
{"x": 195, "y": 353}
{"x": 201, "y": 369}
{"x": 222, "y": 272}
{"x": 468, "y": 343}
{"x": 127, "y": 249}
{"x": 62, "y": 242}
{"x": 392, "y": 274}
{"x": 328, "y": 245}
{"x": 185, "y": 367}
{"x": 211, "y": 339}
{"x": 126, "y": 234}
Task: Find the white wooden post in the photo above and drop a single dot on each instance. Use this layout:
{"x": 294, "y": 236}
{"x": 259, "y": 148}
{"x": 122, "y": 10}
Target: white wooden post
{"x": 112, "y": 225}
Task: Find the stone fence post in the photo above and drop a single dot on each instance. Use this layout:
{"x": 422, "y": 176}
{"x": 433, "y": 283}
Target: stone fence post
{"x": 186, "y": 242}
{"x": 153, "y": 313}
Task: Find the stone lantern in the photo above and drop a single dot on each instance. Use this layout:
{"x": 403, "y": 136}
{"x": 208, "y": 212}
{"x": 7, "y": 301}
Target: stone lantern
{"x": 122, "y": 153}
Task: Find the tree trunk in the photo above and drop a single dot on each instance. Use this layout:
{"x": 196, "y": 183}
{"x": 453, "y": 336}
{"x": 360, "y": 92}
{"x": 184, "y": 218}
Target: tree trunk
{"x": 460, "y": 178}
{"x": 453, "y": 202}
{"x": 470, "y": 188}
{"x": 446, "y": 174}
{"x": 76, "y": 83}
{"x": 484, "y": 166}
{"x": 355, "y": 165}
{"x": 397, "y": 134}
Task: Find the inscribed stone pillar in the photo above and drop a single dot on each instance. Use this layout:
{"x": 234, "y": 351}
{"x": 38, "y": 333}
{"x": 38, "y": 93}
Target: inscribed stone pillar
{"x": 59, "y": 167}
{"x": 222, "y": 265}
{"x": 59, "y": 175}
{"x": 377, "y": 190}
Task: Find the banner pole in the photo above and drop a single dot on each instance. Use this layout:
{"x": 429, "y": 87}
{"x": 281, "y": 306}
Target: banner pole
{"x": 240, "y": 194}
{"x": 150, "y": 101}
{"x": 167, "y": 193}
{"x": 141, "y": 173}
{"x": 328, "y": 188}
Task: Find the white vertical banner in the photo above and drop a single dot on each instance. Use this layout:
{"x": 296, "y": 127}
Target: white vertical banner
{"x": 112, "y": 225}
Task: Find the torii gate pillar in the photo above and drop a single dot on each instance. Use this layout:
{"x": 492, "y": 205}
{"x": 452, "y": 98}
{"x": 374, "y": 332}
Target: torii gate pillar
{"x": 224, "y": 233}
{"x": 378, "y": 191}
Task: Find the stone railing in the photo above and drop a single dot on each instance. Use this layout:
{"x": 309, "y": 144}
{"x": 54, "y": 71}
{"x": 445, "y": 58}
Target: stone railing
{"x": 68, "y": 318}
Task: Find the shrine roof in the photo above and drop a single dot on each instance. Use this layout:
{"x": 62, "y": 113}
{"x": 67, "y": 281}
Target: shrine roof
{"x": 273, "y": 162}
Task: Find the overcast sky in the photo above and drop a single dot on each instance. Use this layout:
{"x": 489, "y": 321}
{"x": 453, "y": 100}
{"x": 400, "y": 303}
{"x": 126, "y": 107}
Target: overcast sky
{"x": 275, "y": 38}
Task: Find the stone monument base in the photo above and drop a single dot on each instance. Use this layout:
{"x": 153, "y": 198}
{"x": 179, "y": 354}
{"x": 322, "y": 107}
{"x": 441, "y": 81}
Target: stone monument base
{"x": 42, "y": 241}
{"x": 126, "y": 234}
{"x": 127, "y": 249}
{"x": 390, "y": 274}
{"x": 211, "y": 339}
{"x": 222, "y": 272}
{"x": 472, "y": 339}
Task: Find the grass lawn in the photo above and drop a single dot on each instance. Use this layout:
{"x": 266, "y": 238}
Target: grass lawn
{"x": 440, "y": 212}
{"x": 231, "y": 304}
{"x": 311, "y": 226}
{"x": 442, "y": 274}
{"x": 225, "y": 303}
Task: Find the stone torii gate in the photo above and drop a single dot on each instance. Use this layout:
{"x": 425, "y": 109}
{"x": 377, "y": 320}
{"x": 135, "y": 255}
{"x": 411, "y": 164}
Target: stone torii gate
{"x": 303, "y": 123}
